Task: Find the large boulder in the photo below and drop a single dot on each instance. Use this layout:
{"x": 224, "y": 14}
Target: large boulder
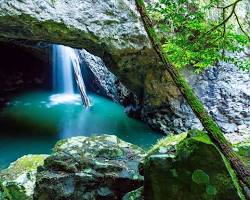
{"x": 17, "y": 182}
{"x": 98, "y": 167}
{"x": 188, "y": 166}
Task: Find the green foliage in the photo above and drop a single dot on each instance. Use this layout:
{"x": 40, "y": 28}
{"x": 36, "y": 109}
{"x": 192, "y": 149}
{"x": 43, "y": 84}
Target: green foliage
{"x": 190, "y": 37}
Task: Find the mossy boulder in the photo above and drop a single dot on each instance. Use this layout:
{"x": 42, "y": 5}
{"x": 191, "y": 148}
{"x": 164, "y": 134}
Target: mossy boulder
{"x": 17, "y": 182}
{"x": 188, "y": 166}
{"x": 97, "y": 167}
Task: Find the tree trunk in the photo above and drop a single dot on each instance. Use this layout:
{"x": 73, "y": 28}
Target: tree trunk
{"x": 81, "y": 85}
{"x": 214, "y": 131}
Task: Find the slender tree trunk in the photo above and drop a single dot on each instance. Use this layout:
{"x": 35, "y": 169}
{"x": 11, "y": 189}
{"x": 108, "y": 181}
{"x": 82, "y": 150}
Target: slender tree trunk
{"x": 81, "y": 85}
{"x": 213, "y": 130}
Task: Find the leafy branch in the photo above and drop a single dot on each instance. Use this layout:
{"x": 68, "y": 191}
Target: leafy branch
{"x": 226, "y": 19}
{"x": 189, "y": 36}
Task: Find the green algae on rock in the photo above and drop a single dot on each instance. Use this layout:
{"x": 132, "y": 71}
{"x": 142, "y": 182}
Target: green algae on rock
{"x": 188, "y": 166}
{"x": 18, "y": 180}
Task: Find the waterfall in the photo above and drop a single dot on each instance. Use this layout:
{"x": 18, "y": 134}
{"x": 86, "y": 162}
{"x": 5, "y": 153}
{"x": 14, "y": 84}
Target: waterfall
{"x": 65, "y": 62}
{"x": 62, "y": 69}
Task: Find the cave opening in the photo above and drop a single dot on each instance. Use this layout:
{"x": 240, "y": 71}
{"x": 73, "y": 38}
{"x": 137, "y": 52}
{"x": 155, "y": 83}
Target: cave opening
{"x": 23, "y": 67}
{"x": 32, "y": 121}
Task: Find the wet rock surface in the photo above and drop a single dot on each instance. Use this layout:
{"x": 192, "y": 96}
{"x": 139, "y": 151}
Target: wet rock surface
{"x": 99, "y": 167}
{"x": 111, "y": 30}
{"x": 134, "y": 195}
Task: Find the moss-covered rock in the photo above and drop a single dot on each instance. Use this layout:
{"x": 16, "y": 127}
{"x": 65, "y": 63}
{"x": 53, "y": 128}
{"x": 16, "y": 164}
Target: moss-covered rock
{"x": 17, "y": 182}
{"x": 188, "y": 166}
{"x": 97, "y": 167}
{"x": 243, "y": 149}
{"x": 134, "y": 195}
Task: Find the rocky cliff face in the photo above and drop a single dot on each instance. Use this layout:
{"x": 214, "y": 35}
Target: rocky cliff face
{"x": 225, "y": 90}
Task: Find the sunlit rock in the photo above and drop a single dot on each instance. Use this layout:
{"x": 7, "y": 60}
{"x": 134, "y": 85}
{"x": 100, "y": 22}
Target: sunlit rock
{"x": 18, "y": 180}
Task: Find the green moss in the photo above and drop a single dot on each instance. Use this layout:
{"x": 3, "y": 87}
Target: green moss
{"x": 23, "y": 164}
{"x": 170, "y": 140}
{"x": 200, "y": 136}
{"x": 59, "y": 144}
{"x": 17, "y": 192}
{"x": 211, "y": 190}
{"x": 243, "y": 150}
{"x": 4, "y": 193}
{"x": 196, "y": 165}
{"x": 134, "y": 195}
{"x": 234, "y": 178}
{"x": 140, "y": 2}
{"x": 23, "y": 167}
{"x": 200, "y": 177}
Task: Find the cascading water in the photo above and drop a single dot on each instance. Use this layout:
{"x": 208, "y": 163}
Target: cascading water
{"x": 62, "y": 69}
{"x": 65, "y": 60}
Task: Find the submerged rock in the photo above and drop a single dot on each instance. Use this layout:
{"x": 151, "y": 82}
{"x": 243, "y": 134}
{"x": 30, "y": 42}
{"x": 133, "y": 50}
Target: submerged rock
{"x": 188, "y": 166}
{"x": 98, "y": 167}
{"x": 18, "y": 180}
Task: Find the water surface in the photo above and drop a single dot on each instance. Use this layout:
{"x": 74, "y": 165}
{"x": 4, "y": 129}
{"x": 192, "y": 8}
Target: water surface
{"x": 31, "y": 123}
